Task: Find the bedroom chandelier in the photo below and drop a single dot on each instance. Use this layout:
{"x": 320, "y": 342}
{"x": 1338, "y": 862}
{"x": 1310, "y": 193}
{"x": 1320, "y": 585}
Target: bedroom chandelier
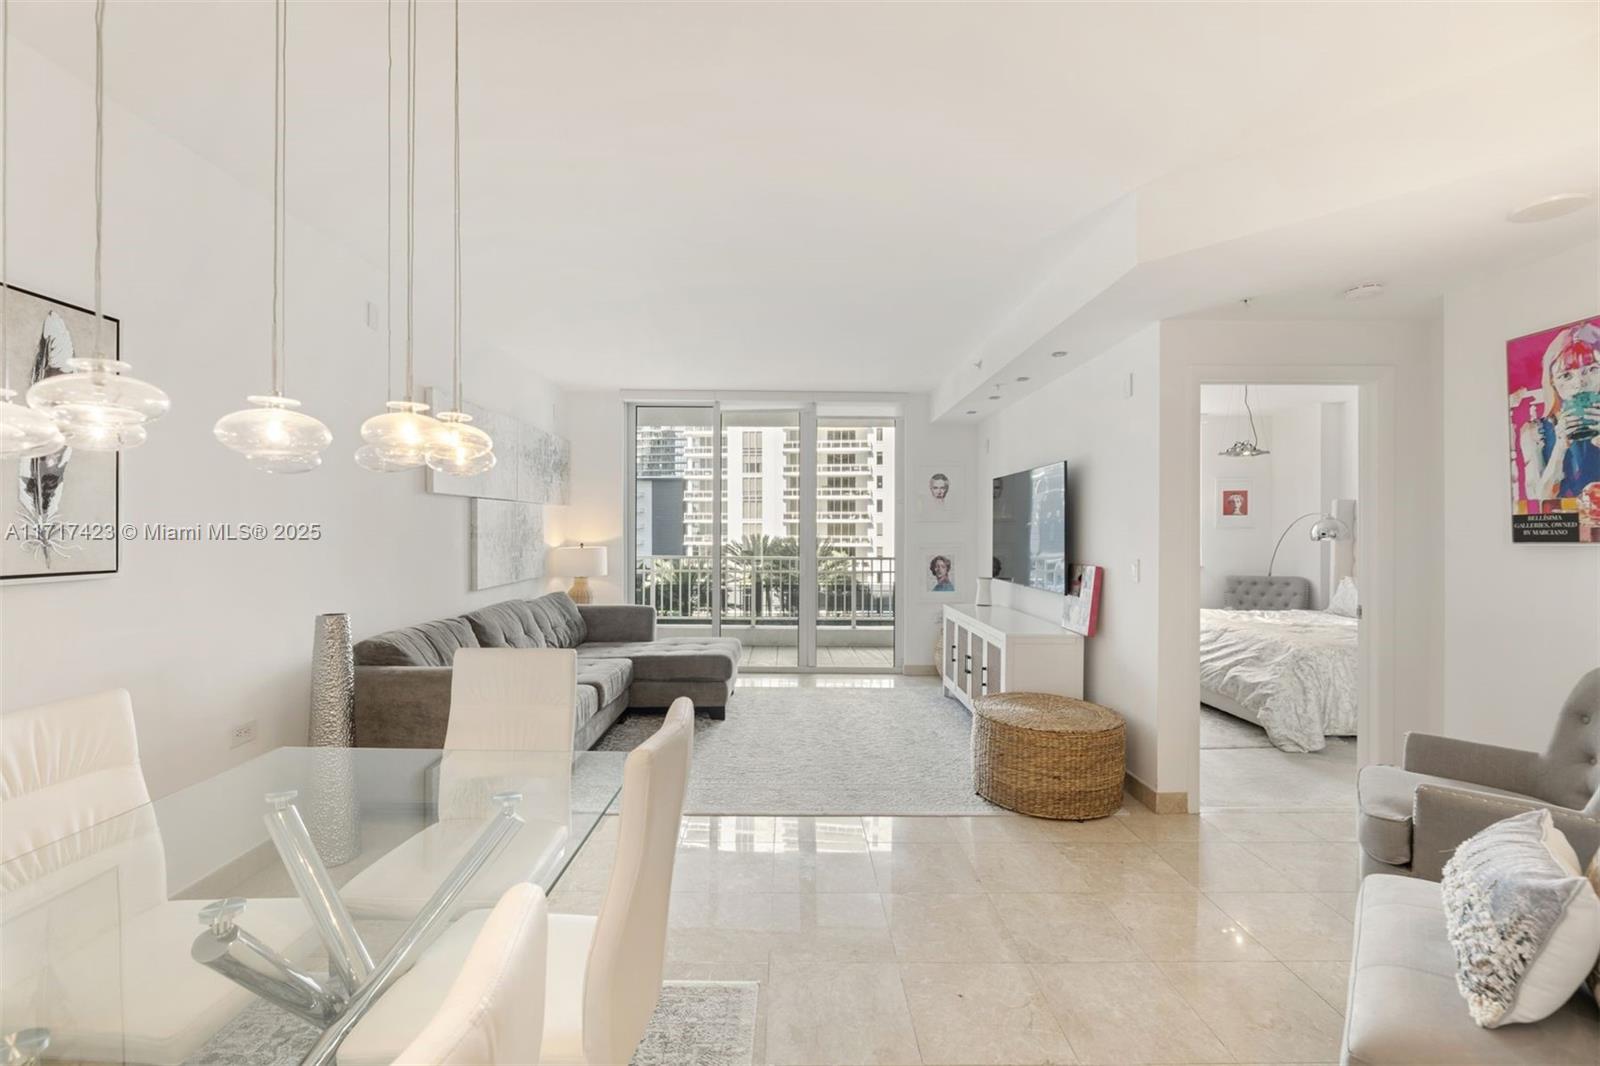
{"x": 97, "y": 405}
{"x": 1246, "y": 449}
{"x": 458, "y": 448}
{"x": 400, "y": 438}
{"x": 271, "y": 434}
{"x": 24, "y": 432}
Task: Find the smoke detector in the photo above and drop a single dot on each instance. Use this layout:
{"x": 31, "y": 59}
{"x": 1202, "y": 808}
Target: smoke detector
{"x": 1365, "y": 291}
{"x": 1548, "y": 207}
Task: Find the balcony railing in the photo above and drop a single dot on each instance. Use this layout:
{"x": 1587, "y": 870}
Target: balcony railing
{"x": 852, "y": 591}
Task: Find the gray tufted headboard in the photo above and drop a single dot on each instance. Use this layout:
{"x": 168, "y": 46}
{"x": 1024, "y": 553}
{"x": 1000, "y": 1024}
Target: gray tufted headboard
{"x": 1243, "y": 593}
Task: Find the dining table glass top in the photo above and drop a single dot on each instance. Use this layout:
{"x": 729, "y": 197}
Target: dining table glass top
{"x": 294, "y": 887}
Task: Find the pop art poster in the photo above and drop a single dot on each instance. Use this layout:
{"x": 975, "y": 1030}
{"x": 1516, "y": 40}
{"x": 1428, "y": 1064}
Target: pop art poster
{"x": 1553, "y": 399}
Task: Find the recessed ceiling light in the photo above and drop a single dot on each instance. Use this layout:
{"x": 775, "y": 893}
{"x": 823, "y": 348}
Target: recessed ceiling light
{"x": 1058, "y": 355}
{"x": 1548, "y": 207}
{"x": 1365, "y": 291}
{"x": 1023, "y": 378}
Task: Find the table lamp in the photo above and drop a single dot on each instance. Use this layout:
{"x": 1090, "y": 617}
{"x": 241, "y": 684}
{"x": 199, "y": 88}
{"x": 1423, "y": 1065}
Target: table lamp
{"x": 579, "y": 563}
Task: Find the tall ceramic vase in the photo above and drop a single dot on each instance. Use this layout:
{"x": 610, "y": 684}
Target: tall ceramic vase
{"x": 331, "y": 810}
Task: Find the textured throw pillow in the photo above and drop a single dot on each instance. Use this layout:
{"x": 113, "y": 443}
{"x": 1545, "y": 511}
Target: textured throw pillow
{"x": 1344, "y": 599}
{"x": 1523, "y": 920}
{"x": 1593, "y": 873}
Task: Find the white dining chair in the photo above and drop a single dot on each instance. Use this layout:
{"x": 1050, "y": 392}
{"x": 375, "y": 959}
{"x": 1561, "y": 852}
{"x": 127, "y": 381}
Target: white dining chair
{"x": 504, "y": 702}
{"x": 95, "y": 949}
{"x": 493, "y": 1014}
{"x": 604, "y": 975}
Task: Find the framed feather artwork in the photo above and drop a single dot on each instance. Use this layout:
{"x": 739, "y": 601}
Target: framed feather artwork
{"x": 59, "y": 515}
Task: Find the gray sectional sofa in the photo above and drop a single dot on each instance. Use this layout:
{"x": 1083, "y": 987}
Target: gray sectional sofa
{"x": 402, "y": 695}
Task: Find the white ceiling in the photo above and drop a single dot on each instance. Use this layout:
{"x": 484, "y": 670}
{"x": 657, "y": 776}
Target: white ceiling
{"x": 1229, "y": 400}
{"x": 827, "y": 196}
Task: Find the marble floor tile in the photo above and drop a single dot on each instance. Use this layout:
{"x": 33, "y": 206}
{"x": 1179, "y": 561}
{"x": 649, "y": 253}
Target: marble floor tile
{"x": 1293, "y": 926}
{"x": 1054, "y": 927}
{"x": 728, "y": 928}
{"x": 837, "y": 927}
{"x": 1022, "y": 829}
{"x": 1220, "y": 866}
{"x": 1260, "y": 1010}
{"x": 924, "y": 868}
{"x": 832, "y": 1014}
{"x": 1182, "y": 927}
{"x": 1343, "y": 902}
{"x": 1027, "y": 867}
{"x": 1155, "y": 828}
{"x": 823, "y": 872}
{"x": 1245, "y": 826}
{"x": 1125, "y": 1012}
{"x": 1322, "y": 867}
{"x": 973, "y": 1014}
{"x": 699, "y": 870}
{"x": 1330, "y": 980}
{"x": 1123, "y": 868}
{"x": 928, "y": 927}
{"x": 883, "y": 831}
{"x": 1337, "y": 827}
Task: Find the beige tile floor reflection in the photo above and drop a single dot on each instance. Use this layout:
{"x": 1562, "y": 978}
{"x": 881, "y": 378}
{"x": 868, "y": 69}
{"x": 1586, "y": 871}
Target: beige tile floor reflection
{"x": 1005, "y": 940}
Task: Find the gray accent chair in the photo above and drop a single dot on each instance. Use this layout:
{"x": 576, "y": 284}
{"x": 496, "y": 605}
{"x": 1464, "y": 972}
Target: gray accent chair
{"x": 1244, "y": 592}
{"x": 1413, "y": 815}
{"x": 402, "y": 697}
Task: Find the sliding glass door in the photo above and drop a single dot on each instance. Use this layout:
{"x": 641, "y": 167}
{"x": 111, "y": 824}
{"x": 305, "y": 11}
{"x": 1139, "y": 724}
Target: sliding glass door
{"x": 770, "y": 524}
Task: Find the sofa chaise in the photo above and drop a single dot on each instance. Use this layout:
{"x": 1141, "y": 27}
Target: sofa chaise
{"x": 402, "y": 697}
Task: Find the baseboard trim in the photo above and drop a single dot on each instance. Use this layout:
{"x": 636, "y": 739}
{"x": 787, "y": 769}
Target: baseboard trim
{"x": 1159, "y": 802}
{"x": 919, "y": 670}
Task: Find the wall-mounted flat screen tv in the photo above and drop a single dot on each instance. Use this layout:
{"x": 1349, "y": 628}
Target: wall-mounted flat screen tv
{"x": 1030, "y": 527}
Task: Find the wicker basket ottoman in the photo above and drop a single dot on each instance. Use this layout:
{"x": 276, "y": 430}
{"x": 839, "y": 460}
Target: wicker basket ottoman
{"x": 1048, "y": 756}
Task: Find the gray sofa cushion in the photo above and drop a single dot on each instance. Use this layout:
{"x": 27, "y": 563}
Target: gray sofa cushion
{"x": 506, "y": 625}
{"x": 429, "y": 644}
{"x": 558, "y": 620}
{"x": 1386, "y": 796}
{"x": 672, "y": 658}
{"x": 611, "y": 677}
{"x": 1404, "y": 1006}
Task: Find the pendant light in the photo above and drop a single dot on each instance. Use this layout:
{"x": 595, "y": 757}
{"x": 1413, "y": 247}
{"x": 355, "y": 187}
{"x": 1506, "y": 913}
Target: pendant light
{"x": 97, "y": 404}
{"x": 1246, "y": 449}
{"x": 271, "y": 434}
{"x": 459, "y": 448}
{"x": 399, "y": 439}
{"x": 24, "y": 432}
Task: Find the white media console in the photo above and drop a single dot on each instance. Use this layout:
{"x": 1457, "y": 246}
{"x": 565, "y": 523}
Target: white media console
{"x": 996, "y": 649}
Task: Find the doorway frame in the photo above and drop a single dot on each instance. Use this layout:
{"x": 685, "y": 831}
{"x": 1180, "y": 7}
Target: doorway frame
{"x": 1377, "y": 738}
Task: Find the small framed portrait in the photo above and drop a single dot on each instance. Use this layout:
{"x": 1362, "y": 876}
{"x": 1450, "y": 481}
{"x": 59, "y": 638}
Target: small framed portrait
{"x": 939, "y": 571}
{"x": 940, "y": 492}
{"x": 1080, "y": 611}
{"x": 1232, "y": 501}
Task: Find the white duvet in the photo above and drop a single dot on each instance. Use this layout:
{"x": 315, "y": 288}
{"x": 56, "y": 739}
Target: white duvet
{"x": 1294, "y": 670}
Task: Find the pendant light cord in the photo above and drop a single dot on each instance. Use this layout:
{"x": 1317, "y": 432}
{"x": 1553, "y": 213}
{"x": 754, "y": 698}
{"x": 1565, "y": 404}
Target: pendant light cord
{"x": 279, "y": 153}
{"x": 1254, "y": 439}
{"x": 460, "y": 401}
{"x": 388, "y": 204}
{"x": 99, "y": 166}
{"x": 411, "y": 182}
{"x": 5, "y": 159}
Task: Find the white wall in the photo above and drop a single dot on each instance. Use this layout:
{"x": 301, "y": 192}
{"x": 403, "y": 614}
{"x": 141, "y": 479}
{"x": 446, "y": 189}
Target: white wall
{"x": 1110, "y": 442}
{"x": 209, "y": 635}
{"x": 1521, "y": 621}
{"x": 595, "y": 422}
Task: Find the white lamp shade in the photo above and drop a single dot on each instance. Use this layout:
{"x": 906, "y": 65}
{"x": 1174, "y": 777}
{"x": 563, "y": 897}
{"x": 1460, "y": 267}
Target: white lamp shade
{"x": 579, "y": 561}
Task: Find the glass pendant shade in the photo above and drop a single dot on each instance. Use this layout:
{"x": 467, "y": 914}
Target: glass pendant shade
{"x": 399, "y": 439}
{"x": 458, "y": 447}
{"x": 273, "y": 436}
{"x": 26, "y": 433}
{"x": 98, "y": 405}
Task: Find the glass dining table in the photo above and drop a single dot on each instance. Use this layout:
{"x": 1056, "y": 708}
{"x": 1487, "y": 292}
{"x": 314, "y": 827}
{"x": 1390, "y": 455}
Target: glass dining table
{"x": 279, "y": 898}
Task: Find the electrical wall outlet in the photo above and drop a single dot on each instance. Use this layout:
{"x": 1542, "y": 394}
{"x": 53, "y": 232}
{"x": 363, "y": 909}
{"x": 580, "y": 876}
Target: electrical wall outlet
{"x": 243, "y": 733}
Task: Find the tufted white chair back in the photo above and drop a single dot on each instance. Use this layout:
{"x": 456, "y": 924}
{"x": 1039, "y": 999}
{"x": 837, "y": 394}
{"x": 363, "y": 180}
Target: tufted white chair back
{"x": 630, "y": 938}
{"x": 494, "y": 1012}
{"x": 512, "y": 699}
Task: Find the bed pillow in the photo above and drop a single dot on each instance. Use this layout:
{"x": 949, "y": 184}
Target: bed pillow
{"x": 1344, "y": 599}
{"x": 1523, "y": 920}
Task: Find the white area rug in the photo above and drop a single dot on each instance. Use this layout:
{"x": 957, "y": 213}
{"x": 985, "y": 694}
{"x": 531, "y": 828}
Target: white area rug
{"x": 850, "y": 749}
{"x": 696, "y": 1023}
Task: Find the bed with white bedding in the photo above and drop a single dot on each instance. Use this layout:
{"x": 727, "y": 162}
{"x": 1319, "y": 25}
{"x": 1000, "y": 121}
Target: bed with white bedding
{"x": 1293, "y": 672}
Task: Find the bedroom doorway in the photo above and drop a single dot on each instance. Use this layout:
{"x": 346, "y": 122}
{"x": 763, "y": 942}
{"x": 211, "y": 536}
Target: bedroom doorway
{"x": 1280, "y": 627}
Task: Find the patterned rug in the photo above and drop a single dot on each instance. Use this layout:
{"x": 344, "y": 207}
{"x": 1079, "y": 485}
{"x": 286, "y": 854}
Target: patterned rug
{"x": 696, "y": 1023}
{"x": 850, "y": 749}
